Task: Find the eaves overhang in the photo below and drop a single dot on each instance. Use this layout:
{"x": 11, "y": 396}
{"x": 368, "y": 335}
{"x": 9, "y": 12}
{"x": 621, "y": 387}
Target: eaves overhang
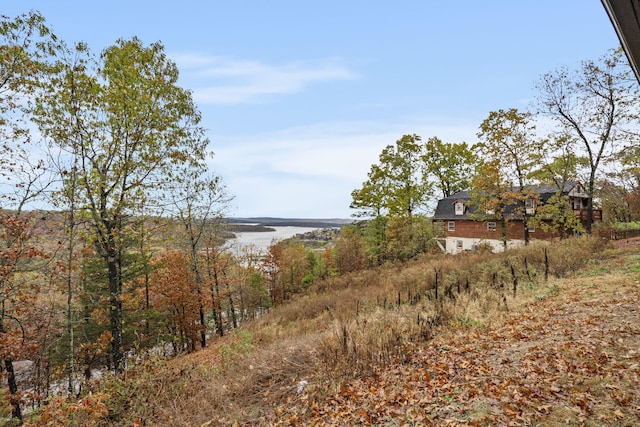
{"x": 625, "y": 17}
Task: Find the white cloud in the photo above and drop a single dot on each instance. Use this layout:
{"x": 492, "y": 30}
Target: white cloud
{"x": 310, "y": 171}
{"x": 223, "y": 80}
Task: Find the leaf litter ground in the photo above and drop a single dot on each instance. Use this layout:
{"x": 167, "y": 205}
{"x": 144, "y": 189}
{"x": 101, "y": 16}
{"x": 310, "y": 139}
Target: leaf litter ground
{"x": 570, "y": 358}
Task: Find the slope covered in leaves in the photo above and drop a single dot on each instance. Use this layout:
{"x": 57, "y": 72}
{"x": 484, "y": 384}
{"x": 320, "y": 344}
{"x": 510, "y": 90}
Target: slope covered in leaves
{"x": 384, "y": 347}
{"x": 572, "y": 356}
{"x": 569, "y": 359}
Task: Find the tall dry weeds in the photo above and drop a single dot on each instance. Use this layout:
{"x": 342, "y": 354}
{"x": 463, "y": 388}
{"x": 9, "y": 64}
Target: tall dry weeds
{"x": 373, "y": 324}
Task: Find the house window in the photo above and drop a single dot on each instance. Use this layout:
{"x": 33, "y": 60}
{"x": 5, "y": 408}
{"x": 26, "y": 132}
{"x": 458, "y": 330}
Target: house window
{"x": 491, "y": 226}
{"x": 451, "y": 226}
{"x": 531, "y": 229}
{"x": 459, "y": 245}
{"x": 459, "y": 208}
{"x": 530, "y": 204}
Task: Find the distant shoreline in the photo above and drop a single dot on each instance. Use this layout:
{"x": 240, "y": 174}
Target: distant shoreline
{"x": 264, "y": 223}
{"x": 251, "y": 228}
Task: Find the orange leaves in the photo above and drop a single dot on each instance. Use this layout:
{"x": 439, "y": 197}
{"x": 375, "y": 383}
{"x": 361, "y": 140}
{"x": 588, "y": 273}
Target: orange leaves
{"x": 89, "y": 411}
{"x": 176, "y": 295}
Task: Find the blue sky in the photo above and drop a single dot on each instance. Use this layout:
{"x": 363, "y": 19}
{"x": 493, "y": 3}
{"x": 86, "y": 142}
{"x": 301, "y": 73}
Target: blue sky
{"x": 299, "y": 97}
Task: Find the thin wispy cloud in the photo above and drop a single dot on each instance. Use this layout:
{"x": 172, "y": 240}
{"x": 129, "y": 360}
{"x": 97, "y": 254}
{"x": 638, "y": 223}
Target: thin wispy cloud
{"x": 317, "y": 165}
{"x": 223, "y": 80}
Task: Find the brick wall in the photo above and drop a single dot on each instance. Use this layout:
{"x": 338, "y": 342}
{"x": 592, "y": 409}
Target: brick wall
{"x": 478, "y": 230}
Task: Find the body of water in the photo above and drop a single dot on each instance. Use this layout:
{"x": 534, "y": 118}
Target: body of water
{"x": 263, "y": 239}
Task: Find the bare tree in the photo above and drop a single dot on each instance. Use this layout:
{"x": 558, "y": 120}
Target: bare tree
{"x": 594, "y": 104}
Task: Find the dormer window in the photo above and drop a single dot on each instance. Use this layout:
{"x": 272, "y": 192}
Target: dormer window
{"x": 577, "y": 203}
{"x": 530, "y": 206}
{"x": 458, "y": 208}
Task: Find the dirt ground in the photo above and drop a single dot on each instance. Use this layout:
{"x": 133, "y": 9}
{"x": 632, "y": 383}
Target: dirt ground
{"x": 633, "y": 243}
{"x": 627, "y": 244}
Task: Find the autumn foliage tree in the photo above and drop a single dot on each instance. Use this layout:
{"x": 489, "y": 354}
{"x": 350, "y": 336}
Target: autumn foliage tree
{"x": 175, "y": 296}
{"x": 198, "y": 204}
{"x": 491, "y": 196}
{"x": 19, "y": 288}
{"x": 218, "y": 264}
{"x": 509, "y": 144}
{"x": 131, "y": 126}
{"x": 349, "y": 250}
{"x": 27, "y": 49}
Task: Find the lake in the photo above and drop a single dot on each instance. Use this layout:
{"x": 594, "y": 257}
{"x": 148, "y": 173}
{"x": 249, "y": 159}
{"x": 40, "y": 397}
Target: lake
{"x": 263, "y": 239}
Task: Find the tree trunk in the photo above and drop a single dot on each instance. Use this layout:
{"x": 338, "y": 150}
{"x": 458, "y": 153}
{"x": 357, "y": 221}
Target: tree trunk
{"x": 13, "y": 390}
{"x": 70, "y": 355}
{"x": 590, "y": 191}
{"x": 215, "y": 295}
{"x": 12, "y": 383}
{"x": 203, "y": 325}
{"x": 115, "y": 311}
{"x": 198, "y": 279}
{"x": 503, "y": 228}
{"x": 232, "y": 309}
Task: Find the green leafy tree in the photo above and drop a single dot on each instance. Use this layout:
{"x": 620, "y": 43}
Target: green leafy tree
{"x": 370, "y": 199}
{"x": 374, "y": 238}
{"x": 556, "y": 214}
{"x": 450, "y": 165}
{"x": 408, "y": 237}
{"x": 509, "y": 144}
{"x": 133, "y": 128}
{"x": 27, "y": 55}
{"x": 398, "y": 187}
{"x": 397, "y": 184}
{"x": 596, "y": 104}
{"x": 491, "y": 196}
{"x": 404, "y": 174}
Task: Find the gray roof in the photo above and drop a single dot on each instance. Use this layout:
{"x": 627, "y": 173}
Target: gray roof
{"x": 445, "y": 210}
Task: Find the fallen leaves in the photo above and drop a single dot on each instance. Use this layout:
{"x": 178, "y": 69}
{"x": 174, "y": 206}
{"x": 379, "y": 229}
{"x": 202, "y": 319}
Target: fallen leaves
{"x": 565, "y": 361}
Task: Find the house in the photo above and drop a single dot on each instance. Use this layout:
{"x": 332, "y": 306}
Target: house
{"x": 465, "y": 228}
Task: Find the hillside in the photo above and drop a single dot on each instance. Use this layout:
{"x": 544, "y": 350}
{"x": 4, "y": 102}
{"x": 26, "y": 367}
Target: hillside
{"x": 381, "y": 348}
{"x": 294, "y": 222}
{"x": 570, "y": 359}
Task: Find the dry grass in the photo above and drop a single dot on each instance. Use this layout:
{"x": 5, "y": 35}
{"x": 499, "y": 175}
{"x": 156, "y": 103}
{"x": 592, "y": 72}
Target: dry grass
{"x": 344, "y": 330}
